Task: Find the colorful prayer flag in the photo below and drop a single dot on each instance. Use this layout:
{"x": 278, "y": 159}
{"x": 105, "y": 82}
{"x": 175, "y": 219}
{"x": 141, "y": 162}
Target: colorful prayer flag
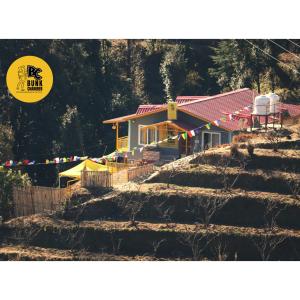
{"x": 208, "y": 125}
{"x": 217, "y": 122}
{"x": 197, "y": 130}
{"x": 189, "y": 134}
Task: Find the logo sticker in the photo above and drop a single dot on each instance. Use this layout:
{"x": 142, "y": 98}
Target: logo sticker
{"x": 29, "y": 79}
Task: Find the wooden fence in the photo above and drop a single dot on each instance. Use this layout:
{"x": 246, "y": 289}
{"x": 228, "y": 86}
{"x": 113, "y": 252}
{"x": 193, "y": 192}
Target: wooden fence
{"x": 120, "y": 177}
{"x": 37, "y": 199}
{"x": 140, "y": 171}
{"x": 106, "y": 179}
{"x": 96, "y": 179}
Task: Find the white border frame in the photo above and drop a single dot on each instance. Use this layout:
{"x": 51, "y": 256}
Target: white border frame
{"x": 211, "y": 132}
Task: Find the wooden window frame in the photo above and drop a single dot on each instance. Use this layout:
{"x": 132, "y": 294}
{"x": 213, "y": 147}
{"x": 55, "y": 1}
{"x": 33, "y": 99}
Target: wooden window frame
{"x": 147, "y": 135}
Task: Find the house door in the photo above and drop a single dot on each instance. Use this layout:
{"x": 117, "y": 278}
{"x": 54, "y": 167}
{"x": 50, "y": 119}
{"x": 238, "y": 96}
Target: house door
{"x": 210, "y": 139}
{"x": 185, "y": 146}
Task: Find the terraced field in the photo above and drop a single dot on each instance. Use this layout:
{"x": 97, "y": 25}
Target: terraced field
{"x": 213, "y": 206}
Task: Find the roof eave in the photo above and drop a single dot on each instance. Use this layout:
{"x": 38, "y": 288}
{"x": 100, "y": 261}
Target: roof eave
{"x": 201, "y": 118}
{"x": 134, "y": 116}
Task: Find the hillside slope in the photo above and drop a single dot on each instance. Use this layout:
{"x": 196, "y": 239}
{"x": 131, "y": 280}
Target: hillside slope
{"x": 221, "y": 204}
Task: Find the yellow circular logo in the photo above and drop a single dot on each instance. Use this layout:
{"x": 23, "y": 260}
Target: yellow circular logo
{"x": 29, "y": 79}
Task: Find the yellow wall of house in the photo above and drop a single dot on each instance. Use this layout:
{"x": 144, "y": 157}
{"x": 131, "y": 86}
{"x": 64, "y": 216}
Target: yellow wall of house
{"x": 163, "y": 132}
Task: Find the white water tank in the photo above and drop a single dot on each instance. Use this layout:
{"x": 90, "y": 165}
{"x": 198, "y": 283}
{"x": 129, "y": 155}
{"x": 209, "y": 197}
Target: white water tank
{"x": 261, "y": 105}
{"x": 274, "y": 103}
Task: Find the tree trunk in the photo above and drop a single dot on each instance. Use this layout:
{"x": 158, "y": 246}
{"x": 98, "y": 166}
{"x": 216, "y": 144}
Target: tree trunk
{"x": 129, "y": 57}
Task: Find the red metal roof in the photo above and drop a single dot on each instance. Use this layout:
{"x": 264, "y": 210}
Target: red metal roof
{"x": 185, "y": 99}
{"x": 294, "y": 110}
{"x": 148, "y": 107}
{"x": 209, "y": 108}
{"x": 143, "y": 108}
{"x": 213, "y": 108}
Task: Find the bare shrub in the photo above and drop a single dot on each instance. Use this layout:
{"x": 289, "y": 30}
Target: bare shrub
{"x": 223, "y": 169}
{"x": 243, "y": 137}
{"x": 250, "y": 149}
{"x": 132, "y": 205}
{"x": 206, "y": 208}
{"x": 197, "y": 241}
{"x": 156, "y": 245}
{"x": 272, "y": 211}
{"x": 75, "y": 240}
{"x": 115, "y": 242}
{"x": 165, "y": 212}
{"x": 293, "y": 181}
{"x": 171, "y": 173}
{"x": 27, "y": 234}
{"x": 234, "y": 151}
{"x": 273, "y": 137}
{"x": 266, "y": 244}
{"x": 219, "y": 249}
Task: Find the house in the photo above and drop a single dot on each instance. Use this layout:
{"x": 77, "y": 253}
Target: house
{"x": 150, "y": 124}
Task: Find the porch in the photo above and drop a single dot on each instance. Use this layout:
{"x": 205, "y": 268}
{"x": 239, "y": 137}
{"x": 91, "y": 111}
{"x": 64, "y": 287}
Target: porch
{"x": 165, "y": 136}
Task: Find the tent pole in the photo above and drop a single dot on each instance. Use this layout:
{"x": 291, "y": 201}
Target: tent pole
{"x": 117, "y": 136}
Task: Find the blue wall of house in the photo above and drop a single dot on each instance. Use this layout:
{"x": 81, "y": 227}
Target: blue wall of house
{"x": 181, "y": 116}
{"x": 147, "y": 120}
{"x": 197, "y": 140}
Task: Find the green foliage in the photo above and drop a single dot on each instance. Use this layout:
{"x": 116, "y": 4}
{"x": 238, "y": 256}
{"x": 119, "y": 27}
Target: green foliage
{"x": 255, "y": 63}
{"x": 173, "y": 71}
{"x": 8, "y": 179}
{"x": 6, "y": 142}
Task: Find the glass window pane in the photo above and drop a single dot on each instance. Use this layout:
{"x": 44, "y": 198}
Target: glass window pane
{"x": 143, "y": 135}
{"x": 206, "y": 141}
{"x": 215, "y": 139}
{"x": 151, "y": 135}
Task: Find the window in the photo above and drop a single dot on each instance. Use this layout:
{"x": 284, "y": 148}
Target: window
{"x": 210, "y": 139}
{"x": 147, "y": 135}
{"x": 151, "y": 135}
{"x": 215, "y": 139}
{"x": 142, "y": 135}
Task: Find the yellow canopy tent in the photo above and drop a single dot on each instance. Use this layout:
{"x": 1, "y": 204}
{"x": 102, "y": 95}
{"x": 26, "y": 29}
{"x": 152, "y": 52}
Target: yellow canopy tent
{"x": 87, "y": 165}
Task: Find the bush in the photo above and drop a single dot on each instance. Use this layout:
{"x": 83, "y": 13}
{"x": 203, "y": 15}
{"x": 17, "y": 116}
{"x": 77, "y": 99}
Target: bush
{"x": 234, "y": 150}
{"x": 6, "y": 142}
{"x": 250, "y": 149}
{"x": 243, "y": 137}
{"x": 8, "y": 179}
{"x": 273, "y": 137}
